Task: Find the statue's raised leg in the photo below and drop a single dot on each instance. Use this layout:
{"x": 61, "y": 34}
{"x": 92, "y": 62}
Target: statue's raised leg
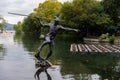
{"x": 37, "y": 55}
{"x": 51, "y": 50}
{"x": 43, "y": 61}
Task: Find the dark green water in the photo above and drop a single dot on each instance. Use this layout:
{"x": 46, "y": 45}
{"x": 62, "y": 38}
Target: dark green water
{"x": 17, "y": 61}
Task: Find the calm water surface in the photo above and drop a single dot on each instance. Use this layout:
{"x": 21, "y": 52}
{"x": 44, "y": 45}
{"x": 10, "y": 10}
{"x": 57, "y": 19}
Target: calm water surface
{"x": 17, "y": 61}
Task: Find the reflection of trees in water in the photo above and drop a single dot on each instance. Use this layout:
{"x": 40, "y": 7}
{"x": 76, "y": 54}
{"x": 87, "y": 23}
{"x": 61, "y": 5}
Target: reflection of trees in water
{"x": 2, "y": 51}
{"x": 18, "y": 38}
{"x": 76, "y": 64}
{"x": 30, "y": 42}
{"x": 102, "y": 64}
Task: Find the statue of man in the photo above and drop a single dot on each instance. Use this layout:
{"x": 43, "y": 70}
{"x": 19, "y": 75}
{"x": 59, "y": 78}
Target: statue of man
{"x": 50, "y": 36}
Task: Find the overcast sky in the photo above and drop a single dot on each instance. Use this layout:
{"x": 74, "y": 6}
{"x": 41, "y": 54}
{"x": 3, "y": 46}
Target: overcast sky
{"x": 18, "y": 6}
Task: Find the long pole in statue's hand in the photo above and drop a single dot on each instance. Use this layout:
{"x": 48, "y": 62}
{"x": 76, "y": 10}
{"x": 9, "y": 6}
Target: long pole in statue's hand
{"x": 28, "y": 15}
{"x": 24, "y": 15}
{"x": 17, "y": 14}
{"x": 37, "y": 17}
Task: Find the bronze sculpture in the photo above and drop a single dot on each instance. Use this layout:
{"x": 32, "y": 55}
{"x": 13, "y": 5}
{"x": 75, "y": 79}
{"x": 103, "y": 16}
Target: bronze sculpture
{"x": 50, "y": 36}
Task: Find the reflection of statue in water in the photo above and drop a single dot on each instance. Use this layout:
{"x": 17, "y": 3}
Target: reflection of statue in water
{"x": 42, "y": 69}
{"x": 50, "y": 36}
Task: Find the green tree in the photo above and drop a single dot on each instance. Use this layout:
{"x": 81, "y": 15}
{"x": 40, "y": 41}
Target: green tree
{"x": 30, "y": 25}
{"x": 86, "y": 15}
{"x": 48, "y": 9}
{"x": 2, "y": 23}
{"x": 18, "y": 27}
{"x": 112, "y": 7}
{"x": 98, "y": 16}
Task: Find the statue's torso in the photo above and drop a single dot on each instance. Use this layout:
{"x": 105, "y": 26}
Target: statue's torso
{"x": 53, "y": 31}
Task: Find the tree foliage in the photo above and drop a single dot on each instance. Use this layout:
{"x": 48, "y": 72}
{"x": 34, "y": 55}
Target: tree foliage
{"x": 30, "y": 25}
{"x": 48, "y": 9}
{"x": 18, "y": 27}
{"x": 85, "y": 14}
{"x": 2, "y": 23}
{"x": 91, "y": 17}
{"x": 112, "y": 7}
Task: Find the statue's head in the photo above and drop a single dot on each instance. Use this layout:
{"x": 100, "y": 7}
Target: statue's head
{"x": 56, "y": 20}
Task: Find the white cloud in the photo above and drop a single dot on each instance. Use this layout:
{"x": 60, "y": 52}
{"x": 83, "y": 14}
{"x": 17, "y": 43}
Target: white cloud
{"x": 13, "y": 19}
{"x": 18, "y": 6}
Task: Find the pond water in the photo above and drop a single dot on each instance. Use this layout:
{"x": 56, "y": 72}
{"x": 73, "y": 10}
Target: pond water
{"x": 17, "y": 61}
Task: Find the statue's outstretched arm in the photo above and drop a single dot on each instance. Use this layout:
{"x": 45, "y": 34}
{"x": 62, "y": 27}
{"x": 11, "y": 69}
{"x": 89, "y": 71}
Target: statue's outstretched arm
{"x": 69, "y": 29}
{"x": 40, "y": 22}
